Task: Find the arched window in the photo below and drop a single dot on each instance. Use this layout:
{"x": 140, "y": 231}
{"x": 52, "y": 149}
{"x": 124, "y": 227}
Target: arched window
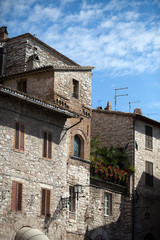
{"x": 77, "y": 146}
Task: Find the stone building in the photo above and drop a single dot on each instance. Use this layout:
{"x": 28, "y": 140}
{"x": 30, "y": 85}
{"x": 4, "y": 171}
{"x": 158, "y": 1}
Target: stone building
{"x": 140, "y": 137}
{"x": 46, "y": 191}
{"x": 45, "y": 112}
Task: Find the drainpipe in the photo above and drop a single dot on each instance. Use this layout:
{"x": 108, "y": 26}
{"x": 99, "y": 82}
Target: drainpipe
{"x": 74, "y": 124}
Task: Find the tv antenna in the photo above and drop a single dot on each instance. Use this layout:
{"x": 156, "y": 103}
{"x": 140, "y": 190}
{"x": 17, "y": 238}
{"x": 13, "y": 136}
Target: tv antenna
{"x": 117, "y": 89}
{"x": 99, "y": 102}
{"x": 130, "y": 105}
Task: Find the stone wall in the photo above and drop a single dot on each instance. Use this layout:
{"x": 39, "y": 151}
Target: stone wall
{"x": 21, "y": 50}
{"x": 108, "y": 227}
{"x": 31, "y": 169}
{"x": 147, "y": 197}
{"x": 113, "y": 129}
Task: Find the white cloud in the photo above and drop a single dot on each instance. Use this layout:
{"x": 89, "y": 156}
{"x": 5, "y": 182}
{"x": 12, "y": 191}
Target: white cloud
{"x": 116, "y": 37}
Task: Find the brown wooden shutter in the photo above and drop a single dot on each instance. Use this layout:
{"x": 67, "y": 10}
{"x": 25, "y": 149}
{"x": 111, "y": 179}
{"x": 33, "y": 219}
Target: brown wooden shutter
{"x": 43, "y": 202}
{"x": 21, "y": 137}
{"x": 17, "y": 136}
{"x": 14, "y": 196}
{"x": 45, "y": 144}
{"x": 19, "y": 201}
{"x": 49, "y": 145}
{"x": 48, "y": 195}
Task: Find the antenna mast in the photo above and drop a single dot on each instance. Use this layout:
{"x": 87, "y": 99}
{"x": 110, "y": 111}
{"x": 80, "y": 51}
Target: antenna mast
{"x": 131, "y": 103}
{"x": 117, "y": 89}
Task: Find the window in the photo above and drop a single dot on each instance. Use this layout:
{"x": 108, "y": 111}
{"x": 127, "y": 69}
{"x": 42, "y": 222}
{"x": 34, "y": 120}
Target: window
{"x": 47, "y": 145}
{"x": 45, "y": 202}
{"x": 78, "y": 146}
{"x": 16, "y": 196}
{"x": 108, "y": 204}
{"x": 75, "y": 88}
{"x": 149, "y": 174}
{"x": 71, "y": 199}
{"x": 19, "y": 137}
{"x": 22, "y": 86}
{"x": 148, "y": 132}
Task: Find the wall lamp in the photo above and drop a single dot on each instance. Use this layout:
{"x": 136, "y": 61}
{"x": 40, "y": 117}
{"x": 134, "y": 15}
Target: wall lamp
{"x": 66, "y": 200}
{"x": 78, "y": 190}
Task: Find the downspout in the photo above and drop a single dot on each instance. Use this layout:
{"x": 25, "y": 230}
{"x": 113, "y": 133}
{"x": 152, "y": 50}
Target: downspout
{"x": 74, "y": 124}
{"x": 133, "y": 184}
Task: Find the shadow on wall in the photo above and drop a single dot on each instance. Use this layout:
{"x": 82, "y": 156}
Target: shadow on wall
{"x": 147, "y": 208}
{"x": 143, "y": 215}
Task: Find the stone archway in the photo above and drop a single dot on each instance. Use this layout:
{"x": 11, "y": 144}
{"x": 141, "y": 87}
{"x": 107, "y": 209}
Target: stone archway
{"x": 25, "y": 233}
{"x": 99, "y": 234}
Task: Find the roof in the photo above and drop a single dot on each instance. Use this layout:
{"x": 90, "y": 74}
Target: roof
{"x": 44, "y": 44}
{"x": 26, "y": 233}
{"x": 135, "y": 116}
{"x": 37, "y": 101}
{"x": 49, "y": 68}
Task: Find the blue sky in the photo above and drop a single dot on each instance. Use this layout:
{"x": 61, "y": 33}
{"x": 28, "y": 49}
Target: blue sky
{"x": 121, "y": 38}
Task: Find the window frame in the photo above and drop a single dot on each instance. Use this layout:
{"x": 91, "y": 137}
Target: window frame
{"x": 72, "y": 200}
{"x": 15, "y": 196}
{"x": 80, "y": 146}
{"x": 46, "y": 149}
{"x": 148, "y": 137}
{"x": 149, "y": 174}
{"x": 46, "y": 207}
{"x": 107, "y": 204}
{"x": 75, "y": 88}
{"x": 21, "y": 137}
{"x": 22, "y": 85}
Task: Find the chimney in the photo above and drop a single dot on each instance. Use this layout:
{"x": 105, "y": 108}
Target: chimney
{"x": 108, "y": 107}
{"x": 138, "y": 111}
{"x": 3, "y": 33}
{"x": 99, "y": 108}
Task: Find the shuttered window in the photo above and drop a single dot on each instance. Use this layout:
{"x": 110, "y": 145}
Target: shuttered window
{"x": 45, "y": 202}
{"x": 149, "y": 174}
{"x": 19, "y": 136}
{"x": 47, "y": 145}
{"x": 149, "y": 139}
{"x": 16, "y": 196}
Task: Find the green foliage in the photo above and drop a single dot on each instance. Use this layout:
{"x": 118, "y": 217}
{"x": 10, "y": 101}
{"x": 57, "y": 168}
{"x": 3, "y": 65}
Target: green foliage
{"x": 109, "y": 163}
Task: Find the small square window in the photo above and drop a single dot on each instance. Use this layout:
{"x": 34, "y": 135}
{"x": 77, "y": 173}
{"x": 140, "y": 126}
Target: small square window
{"x": 107, "y": 204}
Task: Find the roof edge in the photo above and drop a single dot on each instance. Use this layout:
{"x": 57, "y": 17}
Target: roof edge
{"x": 46, "y": 45}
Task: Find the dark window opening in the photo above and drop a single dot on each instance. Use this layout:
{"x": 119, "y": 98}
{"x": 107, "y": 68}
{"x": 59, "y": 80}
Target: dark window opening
{"x": 22, "y": 86}
{"x": 75, "y": 89}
